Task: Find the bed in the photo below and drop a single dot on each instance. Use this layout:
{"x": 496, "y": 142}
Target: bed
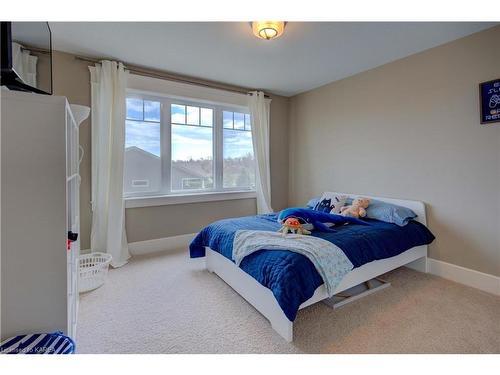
{"x": 280, "y": 283}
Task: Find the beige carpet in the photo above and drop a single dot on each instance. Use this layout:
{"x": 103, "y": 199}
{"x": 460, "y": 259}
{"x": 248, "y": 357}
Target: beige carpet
{"x": 168, "y": 304}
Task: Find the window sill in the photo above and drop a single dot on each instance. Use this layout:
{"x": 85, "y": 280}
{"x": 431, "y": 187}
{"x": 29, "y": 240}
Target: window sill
{"x": 165, "y": 200}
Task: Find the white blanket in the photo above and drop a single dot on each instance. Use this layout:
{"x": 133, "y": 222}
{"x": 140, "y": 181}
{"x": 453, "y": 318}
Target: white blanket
{"x": 330, "y": 261}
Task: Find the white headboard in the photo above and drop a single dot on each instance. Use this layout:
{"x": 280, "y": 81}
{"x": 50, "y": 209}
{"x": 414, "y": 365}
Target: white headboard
{"x": 417, "y": 206}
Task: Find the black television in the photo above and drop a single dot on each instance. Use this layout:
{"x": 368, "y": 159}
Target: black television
{"x": 26, "y": 56}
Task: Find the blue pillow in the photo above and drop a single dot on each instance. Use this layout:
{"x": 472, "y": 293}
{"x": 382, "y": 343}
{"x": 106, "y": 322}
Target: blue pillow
{"x": 388, "y": 212}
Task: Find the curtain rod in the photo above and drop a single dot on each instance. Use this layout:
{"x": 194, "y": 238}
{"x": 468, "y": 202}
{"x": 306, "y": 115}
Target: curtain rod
{"x": 146, "y": 72}
{"x": 34, "y": 49}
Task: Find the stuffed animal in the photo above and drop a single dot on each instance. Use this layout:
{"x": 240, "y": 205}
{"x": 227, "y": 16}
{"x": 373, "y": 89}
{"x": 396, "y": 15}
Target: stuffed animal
{"x": 316, "y": 219}
{"x": 293, "y": 225}
{"x": 356, "y": 209}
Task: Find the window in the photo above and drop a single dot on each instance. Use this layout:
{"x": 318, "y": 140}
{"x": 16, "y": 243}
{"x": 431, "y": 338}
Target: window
{"x": 142, "y": 173}
{"x": 192, "y": 148}
{"x": 238, "y": 162}
{"x": 184, "y": 147}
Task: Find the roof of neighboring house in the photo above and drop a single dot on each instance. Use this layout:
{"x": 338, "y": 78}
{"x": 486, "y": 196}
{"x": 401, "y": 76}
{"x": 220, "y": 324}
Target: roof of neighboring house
{"x": 194, "y": 168}
{"x": 141, "y": 151}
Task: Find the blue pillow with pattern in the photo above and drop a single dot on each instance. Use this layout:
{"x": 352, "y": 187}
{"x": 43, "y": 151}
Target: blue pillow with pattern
{"x": 330, "y": 203}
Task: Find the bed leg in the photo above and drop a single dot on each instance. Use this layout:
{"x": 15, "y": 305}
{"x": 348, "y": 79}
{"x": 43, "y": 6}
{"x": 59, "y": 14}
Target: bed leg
{"x": 284, "y": 327}
{"x": 208, "y": 263}
{"x": 419, "y": 265}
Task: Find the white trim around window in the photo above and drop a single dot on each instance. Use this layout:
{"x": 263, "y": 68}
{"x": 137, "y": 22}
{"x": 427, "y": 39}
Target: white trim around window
{"x": 165, "y": 200}
{"x": 165, "y": 195}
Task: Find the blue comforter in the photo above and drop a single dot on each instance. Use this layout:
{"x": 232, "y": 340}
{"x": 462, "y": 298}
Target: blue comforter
{"x": 292, "y": 277}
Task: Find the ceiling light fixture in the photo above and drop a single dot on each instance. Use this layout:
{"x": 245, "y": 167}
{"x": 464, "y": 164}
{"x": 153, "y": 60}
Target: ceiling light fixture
{"x": 268, "y": 29}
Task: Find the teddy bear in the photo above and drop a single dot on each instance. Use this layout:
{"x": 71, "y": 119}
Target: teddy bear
{"x": 357, "y": 209}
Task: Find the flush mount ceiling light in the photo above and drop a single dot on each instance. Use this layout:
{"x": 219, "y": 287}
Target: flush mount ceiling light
{"x": 268, "y": 29}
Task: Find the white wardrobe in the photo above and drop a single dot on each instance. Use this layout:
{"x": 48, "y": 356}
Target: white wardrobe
{"x": 40, "y": 207}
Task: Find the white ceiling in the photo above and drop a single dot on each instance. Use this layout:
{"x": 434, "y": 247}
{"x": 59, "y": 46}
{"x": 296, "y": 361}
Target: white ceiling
{"x": 308, "y": 55}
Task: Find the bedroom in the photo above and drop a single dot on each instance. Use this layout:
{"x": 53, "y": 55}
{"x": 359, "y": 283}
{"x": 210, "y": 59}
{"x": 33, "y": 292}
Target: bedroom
{"x": 193, "y": 138}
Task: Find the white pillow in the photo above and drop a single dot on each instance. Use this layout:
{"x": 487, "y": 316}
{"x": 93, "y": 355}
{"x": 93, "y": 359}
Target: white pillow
{"x": 331, "y": 202}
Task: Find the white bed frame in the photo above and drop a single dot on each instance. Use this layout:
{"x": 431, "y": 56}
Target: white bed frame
{"x": 263, "y": 299}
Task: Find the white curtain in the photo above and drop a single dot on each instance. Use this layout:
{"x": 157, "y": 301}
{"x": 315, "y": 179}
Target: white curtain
{"x": 108, "y": 89}
{"x": 24, "y": 64}
{"x": 259, "y": 112}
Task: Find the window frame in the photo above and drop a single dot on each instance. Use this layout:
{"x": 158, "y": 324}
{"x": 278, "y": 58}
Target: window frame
{"x": 218, "y": 192}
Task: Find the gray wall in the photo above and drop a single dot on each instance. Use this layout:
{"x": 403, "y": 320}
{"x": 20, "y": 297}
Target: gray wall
{"x": 72, "y": 79}
{"x": 410, "y": 129}
{"x": 147, "y": 223}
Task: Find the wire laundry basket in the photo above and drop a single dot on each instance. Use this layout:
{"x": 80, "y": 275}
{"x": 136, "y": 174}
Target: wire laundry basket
{"x": 93, "y": 270}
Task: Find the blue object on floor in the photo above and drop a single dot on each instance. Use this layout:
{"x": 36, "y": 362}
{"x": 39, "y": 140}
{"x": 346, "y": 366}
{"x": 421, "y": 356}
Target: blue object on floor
{"x": 38, "y": 343}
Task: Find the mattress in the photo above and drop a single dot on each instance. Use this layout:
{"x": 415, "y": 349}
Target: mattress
{"x": 291, "y": 276}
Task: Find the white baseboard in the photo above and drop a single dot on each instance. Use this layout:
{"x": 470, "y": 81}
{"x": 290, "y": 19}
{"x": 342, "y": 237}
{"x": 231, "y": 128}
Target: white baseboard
{"x": 160, "y": 244}
{"x": 486, "y": 282}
